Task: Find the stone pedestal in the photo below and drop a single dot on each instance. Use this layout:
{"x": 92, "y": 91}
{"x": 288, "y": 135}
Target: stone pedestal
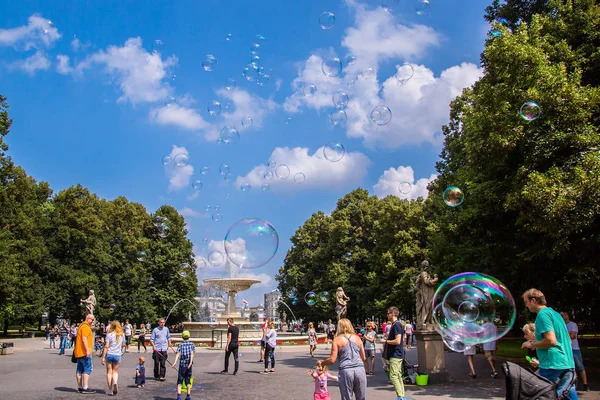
{"x": 430, "y": 349}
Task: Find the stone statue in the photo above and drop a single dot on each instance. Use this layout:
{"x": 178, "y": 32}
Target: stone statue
{"x": 425, "y": 289}
{"x": 90, "y": 303}
{"x": 340, "y": 303}
{"x": 284, "y": 318}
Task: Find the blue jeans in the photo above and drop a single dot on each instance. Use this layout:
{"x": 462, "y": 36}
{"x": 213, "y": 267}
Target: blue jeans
{"x": 63, "y": 342}
{"x": 554, "y": 374}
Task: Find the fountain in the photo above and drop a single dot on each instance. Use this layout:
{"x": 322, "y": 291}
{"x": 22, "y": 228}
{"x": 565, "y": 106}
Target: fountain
{"x": 231, "y": 286}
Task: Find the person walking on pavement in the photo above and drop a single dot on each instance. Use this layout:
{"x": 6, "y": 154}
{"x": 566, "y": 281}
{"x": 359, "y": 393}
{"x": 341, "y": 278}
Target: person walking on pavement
{"x": 160, "y": 340}
{"x": 84, "y": 345}
{"x": 573, "y": 330}
{"x": 552, "y": 344}
{"x": 233, "y": 333}
{"x": 142, "y": 338}
{"x": 395, "y": 351}
{"x": 64, "y": 333}
{"x": 111, "y": 355}
{"x": 128, "y": 328}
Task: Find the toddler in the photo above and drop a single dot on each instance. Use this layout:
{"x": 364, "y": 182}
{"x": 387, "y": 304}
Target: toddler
{"x": 52, "y": 335}
{"x": 140, "y": 373}
{"x": 320, "y": 377}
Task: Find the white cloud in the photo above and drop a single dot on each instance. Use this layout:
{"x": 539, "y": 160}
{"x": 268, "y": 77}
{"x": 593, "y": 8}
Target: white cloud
{"x": 32, "y": 64}
{"x": 181, "y": 116}
{"x": 319, "y": 172}
{"x": 189, "y": 213}
{"x": 63, "y": 66}
{"x": 38, "y": 33}
{"x": 389, "y": 184}
{"x": 179, "y": 177}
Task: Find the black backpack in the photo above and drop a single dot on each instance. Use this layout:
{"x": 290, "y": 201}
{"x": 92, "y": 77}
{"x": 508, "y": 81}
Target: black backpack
{"x": 523, "y": 384}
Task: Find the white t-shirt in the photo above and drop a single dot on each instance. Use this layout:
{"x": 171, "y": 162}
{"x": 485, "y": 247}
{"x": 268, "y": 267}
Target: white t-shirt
{"x": 128, "y": 329}
{"x": 114, "y": 345}
{"x": 272, "y": 338}
{"x": 572, "y": 327}
{"x": 490, "y": 330}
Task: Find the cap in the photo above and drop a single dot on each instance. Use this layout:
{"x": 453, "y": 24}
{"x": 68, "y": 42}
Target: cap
{"x": 185, "y": 334}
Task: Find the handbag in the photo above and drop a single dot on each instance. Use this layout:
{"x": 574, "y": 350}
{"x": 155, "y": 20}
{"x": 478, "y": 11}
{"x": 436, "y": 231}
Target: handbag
{"x": 73, "y": 359}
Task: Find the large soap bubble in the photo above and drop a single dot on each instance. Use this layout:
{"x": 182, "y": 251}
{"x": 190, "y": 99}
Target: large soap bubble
{"x": 472, "y": 308}
{"x": 251, "y": 243}
{"x": 310, "y": 298}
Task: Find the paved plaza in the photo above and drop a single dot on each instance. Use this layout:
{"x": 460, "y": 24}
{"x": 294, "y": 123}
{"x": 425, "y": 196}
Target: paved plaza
{"x": 36, "y": 372}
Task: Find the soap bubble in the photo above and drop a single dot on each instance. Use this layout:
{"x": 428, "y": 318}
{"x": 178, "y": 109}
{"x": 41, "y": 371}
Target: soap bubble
{"x": 268, "y": 174}
{"x": 247, "y": 122}
{"x": 348, "y": 256}
{"x": 181, "y": 160}
{"x": 214, "y": 107}
{"x": 227, "y": 176}
{"x": 340, "y": 100}
{"x": 255, "y": 60}
{"x": 184, "y": 269}
{"x": 259, "y": 40}
{"x": 334, "y": 151}
{"x": 216, "y": 258}
{"x": 204, "y": 170}
{"x": 250, "y": 72}
{"x": 166, "y": 160}
{"x": 338, "y": 117}
{"x": 265, "y": 187}
{"x": 288, "y": 120}
{"x": 230, "y": 135}
{"x": 217, "y": 208}
{"x": 324, "y": 296}
{"x": 310, "y": 298}
{"x": 350, "y": 60}
{"x": 309, "y": 90}
{"x": 251, "y": 243}
{"x": 224, "y": 169}
{"x": 200, "y": 263}
{"x": 263, "y": 79}
{"x": 210, "y": 62}
{"x": 390, "y": 5}
{"x": 228, "y": 37}
{"x": 170, "y": 101}
{"x": 367, "y": 73}
{"x": 466, "y": 307}
{"x": 381, "y": 115}
{"x": 141, "y": 256}
{"x": 293, "y": 300}
{"x": 351, "y": 83}
{"x": 197, "y": 184}
{"x": 403, "y": 73}
{"x": 299, "y": 177}
{"x": 496, "y": 31}
{"x": 331, "y": 67}
{"x": 404, "y": 187}
{"x": 158, "y": 46}
{"x": 245, "y": 187}
{"x": 231, "y": 84}
{"x": 453, "y": 196}
{"x": 423, "y": 7}
{"x": 327, "y": 20}
{"x": 217, "y": 217}
{"x": 530, "y": 111}
{"x": 113, "y": 306}
{"x": 282, "y": 171}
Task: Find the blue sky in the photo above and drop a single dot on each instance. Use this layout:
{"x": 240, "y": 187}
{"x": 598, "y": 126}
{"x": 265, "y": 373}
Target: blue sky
{"x": 87, "y": 96}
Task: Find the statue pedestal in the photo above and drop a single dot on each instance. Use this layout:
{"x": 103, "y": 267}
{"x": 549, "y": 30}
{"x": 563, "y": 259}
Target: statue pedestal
{"x": 430, "y": 350}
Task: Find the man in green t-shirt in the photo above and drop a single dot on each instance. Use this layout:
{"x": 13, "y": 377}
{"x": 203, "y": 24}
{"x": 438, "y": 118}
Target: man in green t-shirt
{"x": 552, "y": 344}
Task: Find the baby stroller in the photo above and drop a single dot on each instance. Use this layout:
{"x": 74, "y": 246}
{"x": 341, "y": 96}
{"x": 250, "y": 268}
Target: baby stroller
{"x": 409, "y": 372}
{"x": 522, "y": 384}
{"x": 98, "y": 346}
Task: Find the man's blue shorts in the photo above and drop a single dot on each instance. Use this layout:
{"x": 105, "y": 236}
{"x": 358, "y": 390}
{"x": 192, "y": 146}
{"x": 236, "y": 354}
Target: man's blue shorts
{"x": 578, "y": 360}
{"x": 84, "y": 365}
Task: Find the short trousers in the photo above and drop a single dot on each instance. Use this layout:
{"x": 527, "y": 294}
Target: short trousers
{"x": 330, "y": 336}
{"x": 370, "y": 353}
{"x": 578, "y": 360}
{"x": 185, "y": 374}
{"x": 127, "y": 340}
{"x": 490, "y": 354}
{"x": 113, "y": 358}
{"x": 84, "y": 365}
{"x": 322, "y": 396}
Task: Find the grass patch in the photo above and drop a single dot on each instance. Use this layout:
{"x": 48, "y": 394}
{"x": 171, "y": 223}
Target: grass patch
{"x": 590, "y": 349}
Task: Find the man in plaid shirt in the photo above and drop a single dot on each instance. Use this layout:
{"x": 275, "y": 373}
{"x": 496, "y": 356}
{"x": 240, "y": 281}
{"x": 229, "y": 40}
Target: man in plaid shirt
{"x": 185, "y": 355}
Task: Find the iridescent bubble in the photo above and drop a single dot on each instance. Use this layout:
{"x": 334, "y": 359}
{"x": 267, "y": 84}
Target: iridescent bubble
{"x": 288, "y": 120}
{"x": 263, "y": 79}
{"x": 381, "y": 115}
{"x": 141, "y": 256}
{"x": 348, "y": 256}
{"x": 310, "y": 298}
{"x": 340, "y": 100}
{"x": 423, "y": 7}
{"x": 214, "y": 107}
{"x": 250, "y": 72}
{"x": 224, "y": 169}
{"x": 368, "y": 73}
{"x": 170, "y": 101}
{"x": 309, "y": 90}
{"x": 351, "y": 83}
{"x": 299, "y": 177}
{"x": 217, "y": 208}
{"x": 390, "y": 5}
{"x": 230, "y": 135}
{"x": 272, "y": 163}
{"x": 227, "y": 195}
{"x": 268, "y": 174}
{"x": 350, "y": 60}
{"x": 166, "y": 160}
{"x": 255, "y": 60}
{"x": 472, "y": 308}
{"x": 331, "y": 67}
{"x": 496, "y": 28}
{"x": 210, "y": 62}
{"x": 245, "y": 187}
{"x": 293, "y": 300}
{"x": 228, "y": 37}
{"x": 334, "y": 151}
{"x": 327, "y": 20}
{"x": 338, "y": 117}
{"x": 204, "y": 170}
{"x": 530, "y": 111}
{"x": 247, "y": 122}
{"x": 227, "y": 176}
{"x": 259, "y": 40}
{"x": 251, "y": 243}
{"x": 265, "y": 187}
{"x": 231, "y": 84}
{"x": 197, "y": 184}
{"x": 403, "y": 73}
{"x": 158, "y": 46}
{"x": 184, "y": 270}
{"x": 200, "y": 263}
{"x": 282, "y": 171}
{"x": 324, "y": 296}
{"x": 453, "y": 196}
{"x": 217, "y": 217}
{"x": 181, "y": 160}
{"x": 404, "y": 187}
{"x": 113, "y": 306}
{"x": 216, "y": 258}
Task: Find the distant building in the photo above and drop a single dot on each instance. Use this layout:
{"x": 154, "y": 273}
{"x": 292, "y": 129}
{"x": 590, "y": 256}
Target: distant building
{"x": 272, "y": 304}
{"x": 210, "y": 301}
